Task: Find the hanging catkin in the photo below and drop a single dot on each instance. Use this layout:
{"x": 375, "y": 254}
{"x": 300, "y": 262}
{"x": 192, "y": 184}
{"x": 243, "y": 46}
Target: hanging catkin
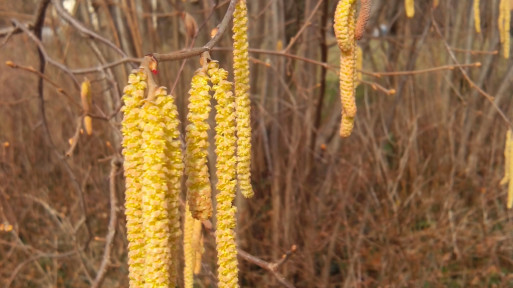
{"x": 227, "y": 270}
{"x": 242, "y": 101}
{"x": 132, "y": 151}
{"x": 477, "y": 16}
{"x": 409, "y": 6}
{"x": 196, "y": 151}
{"x": 345, "y": 17}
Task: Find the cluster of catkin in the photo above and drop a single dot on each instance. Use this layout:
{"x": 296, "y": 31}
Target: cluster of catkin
{"x": 508, "y": 168}
{"x": 504, "y": 25}
{"x": 344, "y": 27}
{"x": 153, "y": 170}
{"x": 154, "y": 165}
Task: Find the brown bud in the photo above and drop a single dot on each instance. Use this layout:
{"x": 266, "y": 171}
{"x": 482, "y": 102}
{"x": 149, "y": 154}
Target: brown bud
{"x": 190, "y": 25}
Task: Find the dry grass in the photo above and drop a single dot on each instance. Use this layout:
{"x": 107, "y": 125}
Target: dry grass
{"x": 411, "y": 199}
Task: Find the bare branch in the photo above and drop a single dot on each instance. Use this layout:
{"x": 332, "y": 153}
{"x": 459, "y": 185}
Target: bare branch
{"x": 80, "y": 27}
{"x": 115, "y": 164}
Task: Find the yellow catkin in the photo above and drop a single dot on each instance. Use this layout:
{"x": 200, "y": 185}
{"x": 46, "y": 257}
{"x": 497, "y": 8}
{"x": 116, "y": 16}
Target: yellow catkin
{"x": 156, "y": 202}
{"x": 359, "y": 65}
{"x": 225, "y": 139}
{"x": 199, "y": 254}
{"x": 174, "y": 171}
{"x": 344, "y": 15}
{"x": 242, "y": 101}
{"x": 346, "y": 126}
{"x": 192, "y": 248}
{"x": 196, "y": 137}
{"x": 132, "y": 151}
{"x": 88, "y": 124}
{"x": 188, "y": 251}
{"x": 85, "y": 96}
{"x": 409, "y": 6}
{"x": 507, "y": 158}
{"x": 477, "y": 16}
{"x": 507, "y": 22}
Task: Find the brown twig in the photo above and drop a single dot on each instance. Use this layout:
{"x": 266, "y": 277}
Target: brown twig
{"x": 271, "y": 267}
{"x": 305, "y": 25}
{"x": 115, "y": 164}
{"x": 376, "y": 86}
{"x": 207, "y": 47}
{"x": 74, "y": 139}
{"x": 45, "y": 57}
{"x": 39, "y": 74}
{"x": 80, "y": 27}
{"x": 421, "y": 71}
{"x": 475, "y": 52}
{"x": 488, "y": 97}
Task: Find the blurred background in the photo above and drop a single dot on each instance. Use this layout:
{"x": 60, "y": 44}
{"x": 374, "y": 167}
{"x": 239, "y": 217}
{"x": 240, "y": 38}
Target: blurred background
{"x": 410, "y": 199}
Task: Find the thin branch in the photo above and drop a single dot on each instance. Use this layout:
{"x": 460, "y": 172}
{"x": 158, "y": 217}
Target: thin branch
{"x": 39, "y": 74}
{"x": 421, "y": 71}
{"x": 80, "y": 27}
{"x": 41, "y": 48}
{"x": 488, "y": 97}
{"x": 305, "y": 25}
{"x": 207, "y": 47}
{"x": 115, "y": 164}
{"x": 271, "y": 267}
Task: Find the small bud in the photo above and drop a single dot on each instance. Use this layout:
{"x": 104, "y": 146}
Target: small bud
{"x": 10, "y": 64}
{"x": 213, "y": 33}
{"x": 190, "y": 25}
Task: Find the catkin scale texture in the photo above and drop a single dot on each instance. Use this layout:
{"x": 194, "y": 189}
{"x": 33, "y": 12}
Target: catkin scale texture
{"x": 225, "y": 141}
{"x": 345, "y": 25}
{"x": 156, "y": 202}
{"x": 132, "y": 152}
{"x": 242, "y": 100}
{"x": 344, "y": 15}
{"x": 196, "y": 151}
{"x": 174, "y": 171}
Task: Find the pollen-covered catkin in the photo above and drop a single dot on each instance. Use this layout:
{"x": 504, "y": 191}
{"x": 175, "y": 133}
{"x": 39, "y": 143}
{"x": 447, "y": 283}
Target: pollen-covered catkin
{"x": 242, "y": 101}
{"x": 199, "y": 254}
{"x": 409, "y": 6}
{"x": 225, "y": 139}
{"x": 132, "y": 151}
{"x": 174, "y": 171}
{"x": 345, "y": 23}
{"x": 477, "y": 16}
{"x": 196, "y": 151}
{"x": 156, "y": 202}
{"x": 504, "y": 25}
{"x": 344, "y": 16}
{"x": 188, "y": 251}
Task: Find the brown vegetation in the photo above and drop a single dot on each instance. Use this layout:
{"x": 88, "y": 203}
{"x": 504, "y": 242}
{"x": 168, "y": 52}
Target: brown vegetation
{"x": 410, "y": 199}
